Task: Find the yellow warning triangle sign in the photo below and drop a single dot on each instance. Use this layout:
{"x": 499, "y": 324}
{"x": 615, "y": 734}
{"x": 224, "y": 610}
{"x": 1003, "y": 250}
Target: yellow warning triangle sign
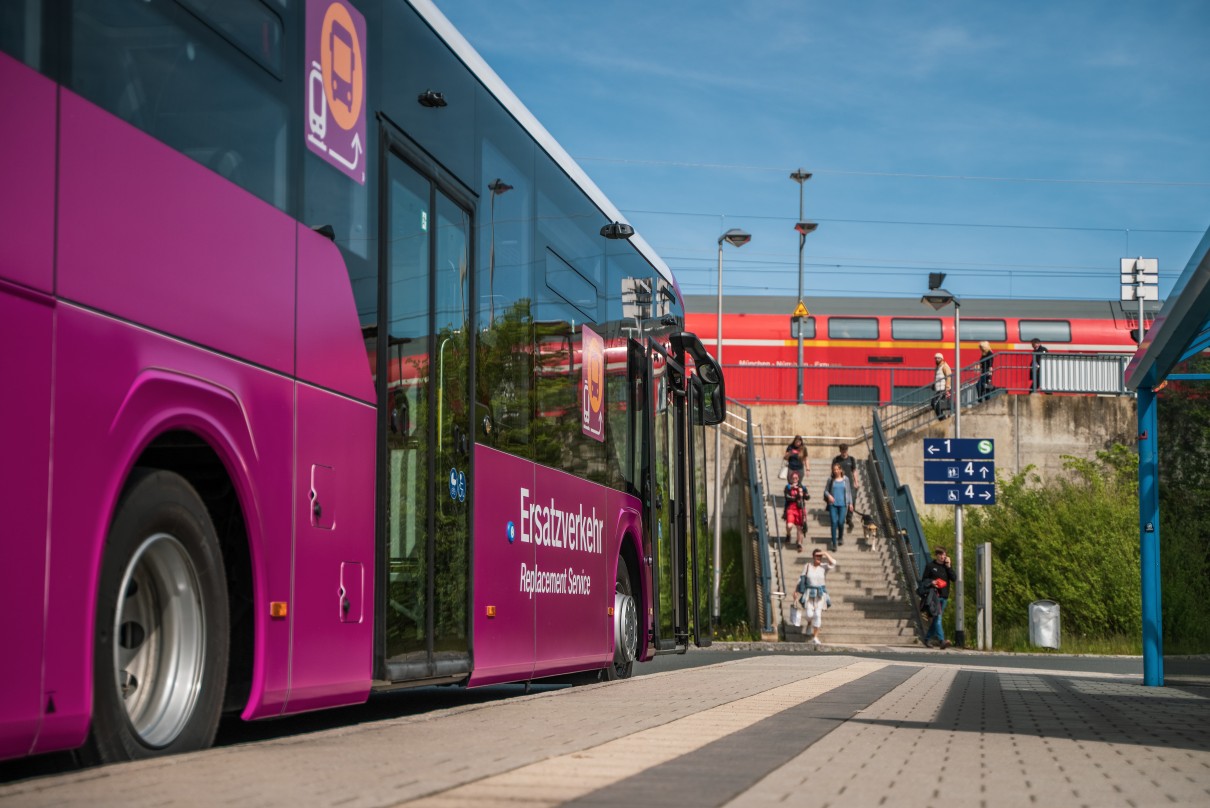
{"x": 801, "y": 311}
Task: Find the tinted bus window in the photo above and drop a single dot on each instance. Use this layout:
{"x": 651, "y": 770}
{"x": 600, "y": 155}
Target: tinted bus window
{"x": 852, "y": 328}
{"x": 990, "y": 330}
{"x": 21, "y": 31}
{"x": 251, "y": 27}
{"x": 1046, "y": 330}
{"x": 915, "y": 328}
{"x": 563, "y": 279}
{"x": 159, "y": 68}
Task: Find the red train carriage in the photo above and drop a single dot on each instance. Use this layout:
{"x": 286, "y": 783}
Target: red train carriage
{"x": 873, "y": 350}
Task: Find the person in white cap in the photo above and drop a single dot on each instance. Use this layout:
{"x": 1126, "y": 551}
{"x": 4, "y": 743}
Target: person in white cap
{"x": 941, "y": 388}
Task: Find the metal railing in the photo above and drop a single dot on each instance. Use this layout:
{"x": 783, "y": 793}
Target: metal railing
{"x": 1012, "y": 371}
{"x": 740, "y": 427}
{"x": 901, "y": 505}
{"x": 774, "y": 539}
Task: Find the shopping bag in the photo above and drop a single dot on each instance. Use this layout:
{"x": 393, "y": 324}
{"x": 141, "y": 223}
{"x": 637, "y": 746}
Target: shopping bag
{"x": 796, "y": 616}
{"x": 784, "y": 473}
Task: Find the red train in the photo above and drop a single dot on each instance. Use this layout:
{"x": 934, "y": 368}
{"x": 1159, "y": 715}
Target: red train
{"x": 875, "y": 350}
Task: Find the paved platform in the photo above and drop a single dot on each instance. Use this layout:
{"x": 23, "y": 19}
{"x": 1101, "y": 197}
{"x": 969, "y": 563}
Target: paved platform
{"x": 824, "y": 729}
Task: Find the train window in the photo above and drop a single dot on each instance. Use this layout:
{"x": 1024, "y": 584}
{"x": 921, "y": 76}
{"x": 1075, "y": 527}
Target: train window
{"x": 911, "y": 395}
{"x": 864, "y": 395}
{"x": 1046, "y": 330}
{"x": 852, "y": 328}
{"x": 915, "y": 328}
{"x": 990, "y": 330}
{"x": 808, "y": 328}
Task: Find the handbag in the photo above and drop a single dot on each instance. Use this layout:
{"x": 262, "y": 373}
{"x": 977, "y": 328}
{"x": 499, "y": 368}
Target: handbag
{"x": 785, "y": 471}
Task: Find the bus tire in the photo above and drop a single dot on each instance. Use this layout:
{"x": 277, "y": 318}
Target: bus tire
{"x": 625, "y": 627}
{"x": 161, "y": 640}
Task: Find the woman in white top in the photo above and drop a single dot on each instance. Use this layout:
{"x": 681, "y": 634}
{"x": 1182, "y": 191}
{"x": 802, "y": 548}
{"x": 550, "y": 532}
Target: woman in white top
{"x": 816, "y": 594}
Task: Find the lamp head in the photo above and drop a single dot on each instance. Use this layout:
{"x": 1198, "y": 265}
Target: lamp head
{"x": 939, "y": 299}
{"x": 499, "y": 186}
{"x": 804, "y": 228}
{"x": 735, "y": 237}
{"x": 801, "y": 176}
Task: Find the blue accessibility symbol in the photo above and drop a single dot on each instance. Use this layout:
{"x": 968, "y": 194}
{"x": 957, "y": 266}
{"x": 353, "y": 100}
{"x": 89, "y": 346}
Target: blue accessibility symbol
{"x": 461, "y": 486}
{"x": 512, "y": 532}
{"x": 453, "y": 483}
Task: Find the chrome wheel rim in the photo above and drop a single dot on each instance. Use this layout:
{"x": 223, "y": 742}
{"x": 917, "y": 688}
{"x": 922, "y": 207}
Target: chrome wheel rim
{"x": 159, "y": 631}
{"x": 625, "y": 629}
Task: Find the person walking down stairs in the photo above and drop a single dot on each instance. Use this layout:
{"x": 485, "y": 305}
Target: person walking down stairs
{"x": 795, "y": 511}
{"x": 840, "y": 504}
{"x": 849, "y": 464}
{"x": 813, "y": 584}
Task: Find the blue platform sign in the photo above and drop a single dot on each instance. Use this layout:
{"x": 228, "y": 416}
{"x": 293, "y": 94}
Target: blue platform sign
{"x": 959, "y": 471}
{"x": 969, "y": 494}
{"x": 959, "y": 449}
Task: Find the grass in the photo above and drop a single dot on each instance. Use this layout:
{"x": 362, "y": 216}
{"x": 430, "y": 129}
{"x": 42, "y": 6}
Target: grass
{"x": 1016, "y": 639}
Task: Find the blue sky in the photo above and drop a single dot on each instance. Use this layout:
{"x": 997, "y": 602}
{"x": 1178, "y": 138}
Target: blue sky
{"x": 1023, "y": 148}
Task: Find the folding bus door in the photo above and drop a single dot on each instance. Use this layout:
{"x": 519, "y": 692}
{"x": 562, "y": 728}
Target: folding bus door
{"x": 698, "y": 537}
{"x": 665, "y": 499}
{"x": 426, "y": 251}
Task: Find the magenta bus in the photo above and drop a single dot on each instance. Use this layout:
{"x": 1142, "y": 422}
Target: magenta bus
{"x": 326, "y": 370}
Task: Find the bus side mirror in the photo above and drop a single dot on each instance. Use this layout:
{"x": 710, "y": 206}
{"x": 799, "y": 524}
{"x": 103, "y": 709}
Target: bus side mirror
{"x": 708, "y": 372}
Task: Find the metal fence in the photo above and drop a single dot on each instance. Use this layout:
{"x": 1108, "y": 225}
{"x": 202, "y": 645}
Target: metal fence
{"x": 874, "y": 386}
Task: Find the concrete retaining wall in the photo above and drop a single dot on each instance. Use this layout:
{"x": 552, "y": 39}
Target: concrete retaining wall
{"x": 1029, "y": 430}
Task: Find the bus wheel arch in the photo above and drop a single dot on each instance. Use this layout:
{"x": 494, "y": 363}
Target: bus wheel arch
{"x": 191, "y": 453}
{"x": 627, "y": 608}
{"x": 161, "y": 626}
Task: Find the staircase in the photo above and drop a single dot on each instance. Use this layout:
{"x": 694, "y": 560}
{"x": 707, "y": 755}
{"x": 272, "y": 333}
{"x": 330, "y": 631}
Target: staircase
{"x": 869, "y": 606}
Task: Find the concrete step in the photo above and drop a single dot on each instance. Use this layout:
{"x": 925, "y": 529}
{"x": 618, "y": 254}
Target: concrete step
{"x": 870, "y": 610}
{"x": 863, "y": 625}
{"x": 828, "y": 634}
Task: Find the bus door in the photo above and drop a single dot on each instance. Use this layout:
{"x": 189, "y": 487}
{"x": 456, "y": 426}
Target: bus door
{"x": 425, "y": 553}
{"x": 698, "y": 537}
{"x": 665, "y": 499}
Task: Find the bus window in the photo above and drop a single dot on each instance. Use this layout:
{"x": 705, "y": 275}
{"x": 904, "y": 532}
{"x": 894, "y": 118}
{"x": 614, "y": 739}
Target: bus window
{"x": 253, "y": 28}
{"x": 565, "y": 281}
{"x": 159, "y": 68}
{"x": 21, "y": 32}
{"x": 990, "y": 330}
{"x": 1045, "y": 330}
{"x": 852, "y": 328}
{"x": 923, "y": 328}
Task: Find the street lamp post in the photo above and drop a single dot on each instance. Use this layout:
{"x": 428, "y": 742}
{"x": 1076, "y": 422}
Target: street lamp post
{"x": 801, "y": 177}
{"x": 736, "y": 238}
{"x": 937, "y": 298}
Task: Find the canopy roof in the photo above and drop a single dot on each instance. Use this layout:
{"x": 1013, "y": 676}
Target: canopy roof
{"x": 1182, "y": 328}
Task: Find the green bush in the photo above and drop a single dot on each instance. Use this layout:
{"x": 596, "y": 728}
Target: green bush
{"x": 1072, "y": 539}
{"x": 1183, "y": 415}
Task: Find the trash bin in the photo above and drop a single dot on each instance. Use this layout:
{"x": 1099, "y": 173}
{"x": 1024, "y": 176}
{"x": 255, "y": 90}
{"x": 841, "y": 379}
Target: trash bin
{"x": 1044, "y": 623}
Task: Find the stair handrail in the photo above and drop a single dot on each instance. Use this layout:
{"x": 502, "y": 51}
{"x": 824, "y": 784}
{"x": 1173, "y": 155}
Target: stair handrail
{"x": 906, "y": 518}
{"x": 756, "y": 495}
{"x": 770, "y": 504}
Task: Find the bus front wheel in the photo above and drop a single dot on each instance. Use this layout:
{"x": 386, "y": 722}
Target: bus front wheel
{"x": 161, "y": 642}
{"x": 625, "y": 626}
